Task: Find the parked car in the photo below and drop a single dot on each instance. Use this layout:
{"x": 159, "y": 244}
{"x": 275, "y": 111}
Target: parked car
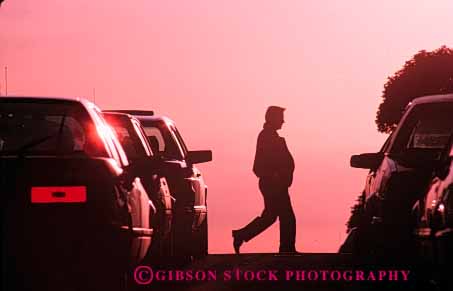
{"x": 72, "y": 214}
{"x": 433, "y": 214}
{"x": 399, "y": 175}
{"x": 190, "y": 221}
{"x": 147, "y": 166}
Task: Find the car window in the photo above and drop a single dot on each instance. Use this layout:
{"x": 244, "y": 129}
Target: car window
{"x": 427, "y": 127}
{"x": 163, "y": 140}
{"x": 133, "y": 151}
{"x": 429, "y": 134}
{"x": 386, "y": 144}
{"x": 107, "y": 133}
{"x": 142, "y": 136}
{"x": 181, "y": 140}
{"x": 155, "y": 138}
{"x": 128, "y": 136}
{"x": 50, "y": 128}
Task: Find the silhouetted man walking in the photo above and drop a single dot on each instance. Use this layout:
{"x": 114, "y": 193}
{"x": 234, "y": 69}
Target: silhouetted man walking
{"x": 274, "y": 166}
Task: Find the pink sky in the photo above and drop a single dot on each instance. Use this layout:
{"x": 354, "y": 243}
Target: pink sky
{"x": 214, "y": 67}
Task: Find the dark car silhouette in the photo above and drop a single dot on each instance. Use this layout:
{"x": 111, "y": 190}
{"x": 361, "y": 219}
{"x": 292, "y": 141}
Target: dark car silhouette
{"x": 147, "y": 166}
{"x": 399, "y": 175}
{"x": 72, "y": 214}
{"x": 190, "y": 220}
{"x": 433, "y": 214}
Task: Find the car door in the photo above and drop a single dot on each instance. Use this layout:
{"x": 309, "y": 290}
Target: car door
{"x": 423, "y": 133}
{"x": 372, "y": 182}
{"x": 139, "y": 205}
{"x": 197, "y": 181}
{"x": 437, "y": 205}
{"x": 163, "y": 192}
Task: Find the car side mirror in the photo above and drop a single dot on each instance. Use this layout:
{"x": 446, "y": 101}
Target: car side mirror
{"x": 367, "y": 161}
{"x": 195, "y": 157}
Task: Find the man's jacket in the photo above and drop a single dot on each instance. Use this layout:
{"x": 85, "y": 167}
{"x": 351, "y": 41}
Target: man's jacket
{"x": 273, "y": 161}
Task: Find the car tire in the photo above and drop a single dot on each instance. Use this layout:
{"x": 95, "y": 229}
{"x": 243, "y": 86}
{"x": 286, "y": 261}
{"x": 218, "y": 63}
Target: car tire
{"x": 176, "y": 250}
{"x": 349, "y": 245}
{"x": 200, "y": 241}
{"x": 357, "y": 244}
{"x": 168, "y": 245}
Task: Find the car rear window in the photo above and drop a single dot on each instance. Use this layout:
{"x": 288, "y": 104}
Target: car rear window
{"x": 163, "y": 140}
{"x": 155, "y": 136}
{"x": 47, "y": 128}
{"x": 127, "y": 136}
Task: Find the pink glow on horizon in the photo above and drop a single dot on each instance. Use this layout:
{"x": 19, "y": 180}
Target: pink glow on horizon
{"x": 214, "y": 67}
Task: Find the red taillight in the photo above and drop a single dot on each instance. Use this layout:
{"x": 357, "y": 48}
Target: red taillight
{"x": 59, "y": 194}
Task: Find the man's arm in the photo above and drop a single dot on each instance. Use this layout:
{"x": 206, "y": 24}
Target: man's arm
{"x": 263, "y": 166}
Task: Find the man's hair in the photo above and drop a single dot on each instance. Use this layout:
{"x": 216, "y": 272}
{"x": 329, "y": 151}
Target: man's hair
{"x": 272, "y": 112}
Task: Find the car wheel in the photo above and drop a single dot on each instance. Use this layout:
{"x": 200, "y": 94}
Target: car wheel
{"x": 163, "y": 246}
{"x": 200, "y": 241}
{"x": 350, "y": 245}
{"x": 357, "y": 243}
{"x": 166, "y": 242}
{"x": 175, "y": 249}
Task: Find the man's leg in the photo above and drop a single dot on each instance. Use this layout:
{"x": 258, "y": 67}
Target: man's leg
{"x": 260, "y": 223}
{"x": 287, "y": 223}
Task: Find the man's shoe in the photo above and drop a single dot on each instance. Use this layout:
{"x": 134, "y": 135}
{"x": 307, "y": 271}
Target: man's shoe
{"x": 237, "y": 242}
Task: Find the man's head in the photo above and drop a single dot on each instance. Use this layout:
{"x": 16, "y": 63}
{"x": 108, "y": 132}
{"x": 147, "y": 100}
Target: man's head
{"x": 274, "y": 117}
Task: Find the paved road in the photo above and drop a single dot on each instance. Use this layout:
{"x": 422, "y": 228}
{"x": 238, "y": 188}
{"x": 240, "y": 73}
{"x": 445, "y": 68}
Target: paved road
{"x": 251, "y": 272}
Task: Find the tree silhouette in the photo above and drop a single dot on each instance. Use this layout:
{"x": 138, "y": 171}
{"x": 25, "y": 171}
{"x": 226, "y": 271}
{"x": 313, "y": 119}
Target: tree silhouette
{"x": 357, "y": 213}
{"x": 427, "y": 73}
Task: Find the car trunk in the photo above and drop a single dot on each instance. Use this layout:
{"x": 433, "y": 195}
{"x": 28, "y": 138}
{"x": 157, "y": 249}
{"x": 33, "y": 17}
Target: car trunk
{"x": 60, "y": 211}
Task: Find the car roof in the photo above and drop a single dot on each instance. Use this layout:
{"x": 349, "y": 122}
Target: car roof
{"x": 89, "y": 106}
{"x": 143, "y": 115}
{"x": 165, "y": 119}
{"x": 78, "y": 99}
{"x": 82, "y": 100}
{"x": 120, "y": 115}
{"x": 134, "y": 112}
{"x": 433, "y": 99}
{"x": 117, "y": 114}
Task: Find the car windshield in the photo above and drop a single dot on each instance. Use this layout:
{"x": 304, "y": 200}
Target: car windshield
{"x": 45, "y": 128}
{"x": 430, "y": 134}
{"x": 163, "y": 140}
{"x": 427, "y": 127}
{"x": 181, "y": 140}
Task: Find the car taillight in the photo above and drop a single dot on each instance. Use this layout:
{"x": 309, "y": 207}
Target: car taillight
{"x": 94, "y": 145}
{"x": 59, "y": 194}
